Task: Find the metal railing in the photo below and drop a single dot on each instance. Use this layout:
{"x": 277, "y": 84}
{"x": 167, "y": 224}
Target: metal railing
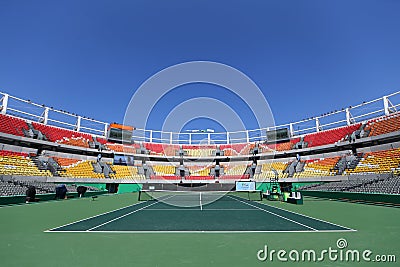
{"x": 30, "y": 111}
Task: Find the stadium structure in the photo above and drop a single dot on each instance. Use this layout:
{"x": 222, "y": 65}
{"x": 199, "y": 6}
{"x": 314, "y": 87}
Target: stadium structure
{"x": 151, "y": 198}
{"x": 355, "y": 149}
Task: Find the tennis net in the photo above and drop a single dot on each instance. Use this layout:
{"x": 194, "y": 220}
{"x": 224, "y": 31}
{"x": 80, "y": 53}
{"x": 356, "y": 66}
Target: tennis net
{"x": 195, "y": 196}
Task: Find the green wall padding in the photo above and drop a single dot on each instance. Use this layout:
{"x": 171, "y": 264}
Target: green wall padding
{"x": 350, "y": 196}
{"x": 295, "y": 186}
{"x": 7, "y": 200}
{"x": 261, "y": 186}
{"x": 129, "y": 188}
{"x": 99, "y": 186}
{"x": 264, "y": 186}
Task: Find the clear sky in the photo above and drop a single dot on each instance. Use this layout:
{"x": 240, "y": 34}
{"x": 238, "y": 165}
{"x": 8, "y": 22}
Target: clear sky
{"x": 307, "y": 57}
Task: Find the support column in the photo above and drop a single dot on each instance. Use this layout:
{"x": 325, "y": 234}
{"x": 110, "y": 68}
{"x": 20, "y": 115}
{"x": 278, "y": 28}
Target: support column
{"x": 348, "y": 116}
{"x": 386, "y": 105}
{"x": 291, "y": 131}
{"x": 4, "y": 104}
{"x": 78, "y": 123}
{"x": 317, "y": 124}
{"x": 45, "y": 115}
{"x": 105, "y": 129}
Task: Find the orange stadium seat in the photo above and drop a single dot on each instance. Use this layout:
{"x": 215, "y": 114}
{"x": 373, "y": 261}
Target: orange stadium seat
{"x": 384, "y": 125}
{"x": 378, "y": 162}
{"x": 64, "y": 136}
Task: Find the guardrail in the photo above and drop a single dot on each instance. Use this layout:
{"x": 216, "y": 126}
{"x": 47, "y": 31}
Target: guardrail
{"x": 26, "y": 109}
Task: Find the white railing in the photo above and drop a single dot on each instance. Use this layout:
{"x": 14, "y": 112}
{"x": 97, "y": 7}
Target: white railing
{"x": 18, "y": 107}
{"x": 28, "y": 110}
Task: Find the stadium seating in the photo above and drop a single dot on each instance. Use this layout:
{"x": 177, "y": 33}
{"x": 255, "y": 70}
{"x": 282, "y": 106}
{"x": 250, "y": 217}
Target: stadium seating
{"x": 378, "y": 162}
{"x": 330, "y": 136}
{"x": 319, "y": 167}
{"x": 390, "y": 185}
{"x": 236, "y": 149}
{"x": 15, "y": 188}
{"x": 170, "y": 150}
{"x": 384, "y": 125}
{"x": 286, "y": 145}
{"x": 65, "y": 162}
{"x": 380, "y": 183}
{"x": 194, "y": 177}
{"x": 12, "y": 125}
{"x": 388, "y": 161}
{"x": 154, "y": 148}
{"x": 12, "y": 163}
{"x": 4, "y": 153}
{"x": 161, "y": 149}
{"x": 81, "y": 169}
{"x": 234, "y": 177}
{"x": 101, "y": 140}
{"x": 125, "y": 172}
{"x": 199, "y": 170}
{"x": 235, "y": 168}
{"x": 84, "y": 169}
{"x": 336, "y": 186}
{"x": 122, "y": 148}
{"x": 267, "y": 170}
{"x": 164, "y": 169}
{"x": 64, "y": 136}
{"x": 11, "y": 189}
{"x": 165, "y": 177}
{"x": 280, "y": 146}
{"x": 199, "y": 151}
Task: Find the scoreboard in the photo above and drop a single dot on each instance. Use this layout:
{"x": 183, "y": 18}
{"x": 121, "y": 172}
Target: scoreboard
{"x": 120, "y": 133}
{"x": 277, "y": 135}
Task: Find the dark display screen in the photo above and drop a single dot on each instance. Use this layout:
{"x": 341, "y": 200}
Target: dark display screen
{"x": 119, "y": 135}
{"x": 123, "y": 160}
{"x": 279, "y": 134}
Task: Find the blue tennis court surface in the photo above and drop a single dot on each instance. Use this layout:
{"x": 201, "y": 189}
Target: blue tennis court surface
{"x": 229, "y": 214}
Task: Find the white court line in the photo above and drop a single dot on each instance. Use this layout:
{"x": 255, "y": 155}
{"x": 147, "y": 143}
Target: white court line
{"x": 204, "y": 232}
{"x": 122, "y": 216}
{"x": 204, "y": 209}
{"x": 275, "y": 214}
{"x": 201, "y": 206}
{"x": 96, "y": 216}
{"x": 338, "y": 225}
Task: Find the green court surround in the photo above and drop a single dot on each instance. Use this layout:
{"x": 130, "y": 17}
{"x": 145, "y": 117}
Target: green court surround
{"x": 24, "y": 241}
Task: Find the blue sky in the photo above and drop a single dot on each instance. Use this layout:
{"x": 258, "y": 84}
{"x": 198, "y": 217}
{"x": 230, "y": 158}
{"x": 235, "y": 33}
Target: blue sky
{"x": 307, "y": 57}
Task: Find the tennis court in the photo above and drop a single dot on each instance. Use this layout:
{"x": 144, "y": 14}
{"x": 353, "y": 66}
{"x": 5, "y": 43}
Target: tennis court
{"x": 198, "y": 212}
{"x": 26, "y": 241}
